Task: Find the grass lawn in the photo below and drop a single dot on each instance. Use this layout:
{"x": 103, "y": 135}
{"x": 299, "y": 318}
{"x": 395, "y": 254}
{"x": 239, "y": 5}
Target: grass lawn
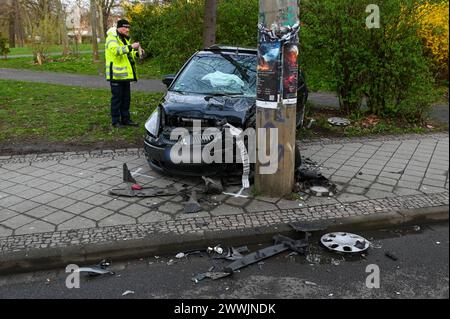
{"x": 81, "y": 64}
{"x": 35, "y": 112}
{"x": 54, "y": 48}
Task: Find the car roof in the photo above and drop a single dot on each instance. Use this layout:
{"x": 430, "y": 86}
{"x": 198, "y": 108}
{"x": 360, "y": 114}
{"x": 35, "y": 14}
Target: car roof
{"x": 230, "y": 49}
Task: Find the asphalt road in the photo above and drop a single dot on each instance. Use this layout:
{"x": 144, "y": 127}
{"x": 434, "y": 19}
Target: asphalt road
{"x": 421, "y": 271}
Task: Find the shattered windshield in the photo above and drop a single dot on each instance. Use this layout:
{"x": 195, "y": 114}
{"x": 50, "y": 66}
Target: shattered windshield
{"x": 216, "y": 74}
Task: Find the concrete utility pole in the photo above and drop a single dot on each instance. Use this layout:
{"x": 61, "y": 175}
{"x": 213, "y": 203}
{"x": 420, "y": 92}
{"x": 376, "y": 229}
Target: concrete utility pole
{"x": 277, "y": 92}
{"x": 94, "y": 31}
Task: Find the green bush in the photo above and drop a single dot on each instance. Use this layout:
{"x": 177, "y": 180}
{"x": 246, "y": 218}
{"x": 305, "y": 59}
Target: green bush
{"x": 171, "y": 33}
{"x": 386, "y": 65}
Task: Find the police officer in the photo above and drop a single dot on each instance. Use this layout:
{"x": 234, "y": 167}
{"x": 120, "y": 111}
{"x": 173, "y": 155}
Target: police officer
{"x": 120, "y": 56}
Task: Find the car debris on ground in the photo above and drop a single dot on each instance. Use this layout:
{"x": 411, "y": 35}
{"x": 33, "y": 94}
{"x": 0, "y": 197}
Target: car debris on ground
{"x": 281, "y": 244}
{"x": 128, "y": 292}
{"x": 98, "y": 270}
{"x": 213, "y": 186}
{"x": 391, "y": 255}
{"x": 345, "y": 242}
{"x": 192, "y": 206}
{"x": 339, "y": 121}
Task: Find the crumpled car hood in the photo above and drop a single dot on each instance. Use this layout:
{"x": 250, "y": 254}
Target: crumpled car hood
{"x": 232, "y": 109}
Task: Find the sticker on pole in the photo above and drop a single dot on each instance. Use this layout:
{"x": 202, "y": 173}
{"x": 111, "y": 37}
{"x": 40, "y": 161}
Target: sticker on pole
{"x": 345, "y": 242}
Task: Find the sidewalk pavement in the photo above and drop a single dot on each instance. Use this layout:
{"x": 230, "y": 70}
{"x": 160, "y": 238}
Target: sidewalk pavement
{"x": 55, "y": 208}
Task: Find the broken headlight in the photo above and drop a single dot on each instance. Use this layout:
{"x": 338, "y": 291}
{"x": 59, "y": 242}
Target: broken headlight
{"x": 153, "y": 123}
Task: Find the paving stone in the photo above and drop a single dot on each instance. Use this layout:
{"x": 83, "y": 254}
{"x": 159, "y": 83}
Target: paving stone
{"x": 7, "y": 214}
{"x": 65, "y": 190}
{"x": 406, "y": 191}
{"x": 50, "y": 186}
{"x": 433, "y": 182}
{"x": 387, "y": 181}
{"x": 115, "y": 204}
{"x": 224, "y": 210}
{"x": 98, "y": 199}
{"x": 5, "y": 232}
{"x": 171, "y": 208}
{"x": 355, "y": 190}
{"x": 81, "y": 194}
{"x": 347, "y": 198}
{"x": 238, "y": 201}
{"x": 360, "y": 183}
{"x": 10, "y": 201}
{"x": 259, "y": 206}
{"x": 45, "y": 198}
{"x": 17, "y": 221}
{"x": 411, "y": 178}
{"x": 61, "y": 203}
{"x": 408, "y": 184}
{"x": 24, "y": 206}
{"x": 134, "y": 210}
{"x": 41, "y": 211}
{"x": 78, "y": 207}
{"x": 35, "y": 227}
{"x": 16, "y": 189}
{"x": 376, "y": 194}
{"x": 366, "y": 177}
{"x": 201, "y": 214}
{"x": 382, "y": 187}
{"x": 58, "y": 217}
{"x": 97, "y": 213}
{"x": 76, "y": 223}
{"x": 153, "y": 217}
{"x": 116, "y": 219}
{"x": 317, "y": 201}
{"x": 268, "y": 199}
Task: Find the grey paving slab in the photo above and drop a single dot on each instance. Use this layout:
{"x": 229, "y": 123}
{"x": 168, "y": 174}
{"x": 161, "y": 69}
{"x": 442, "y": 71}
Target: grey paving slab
{"x": 97, "y": 213}
{"x": 134, "y": 210}
{"x": 260, "y": 206}
{"x": 225, "y": 210}
{"x": 118, "y": 219}
{"x": 153, "y": 216}
{"x": 40, "y": 211}
{"x": 58, "y": 217}
{"x": 5, "y": 232}
{"x": 35, "y": 227}
{"x": 7, "y": 214}
{"x": 77, "y": 223}
{"x": 17, "y": 221}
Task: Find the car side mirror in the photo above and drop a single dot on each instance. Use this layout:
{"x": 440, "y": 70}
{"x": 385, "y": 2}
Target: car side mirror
{"x": 168, "y": 79}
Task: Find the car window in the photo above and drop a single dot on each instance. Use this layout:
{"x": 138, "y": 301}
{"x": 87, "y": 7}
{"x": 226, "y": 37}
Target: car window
{"x": 219, "y": 74}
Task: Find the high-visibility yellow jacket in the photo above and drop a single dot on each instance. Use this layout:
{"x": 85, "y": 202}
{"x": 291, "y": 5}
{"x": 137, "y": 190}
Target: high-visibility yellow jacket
{"x": 120, "y": 58}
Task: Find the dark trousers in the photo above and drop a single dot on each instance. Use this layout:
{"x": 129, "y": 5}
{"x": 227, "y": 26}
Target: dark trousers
{"x": 120, "y": 102}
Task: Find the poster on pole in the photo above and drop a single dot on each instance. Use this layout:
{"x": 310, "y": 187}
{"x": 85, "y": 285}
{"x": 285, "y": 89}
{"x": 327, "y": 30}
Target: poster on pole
{"x": 277, "y": 53}
{"x": 268, "y": 75}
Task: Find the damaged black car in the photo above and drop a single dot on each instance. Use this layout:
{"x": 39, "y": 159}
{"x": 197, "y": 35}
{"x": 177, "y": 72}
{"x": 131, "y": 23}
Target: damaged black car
{"x": 216, "y": 88}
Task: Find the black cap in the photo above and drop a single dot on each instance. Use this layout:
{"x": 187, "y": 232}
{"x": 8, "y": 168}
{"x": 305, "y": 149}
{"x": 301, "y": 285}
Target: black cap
{"x": 123, "y": 23}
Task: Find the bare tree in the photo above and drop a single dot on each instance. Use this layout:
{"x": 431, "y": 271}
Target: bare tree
{"x": 210, "y": 21}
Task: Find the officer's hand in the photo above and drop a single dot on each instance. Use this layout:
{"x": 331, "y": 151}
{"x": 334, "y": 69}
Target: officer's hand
{"x": 135, "y": 45}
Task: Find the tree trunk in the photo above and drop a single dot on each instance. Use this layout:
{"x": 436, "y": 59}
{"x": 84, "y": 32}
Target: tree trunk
{"x": 101, "y": 26}
{"x": 210, "y": 19}
{"x": 18, "y": 25}
{"x": 94, "y": 31}
{"x": 11, "y": 24}
{"x": 63, "y": 28}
